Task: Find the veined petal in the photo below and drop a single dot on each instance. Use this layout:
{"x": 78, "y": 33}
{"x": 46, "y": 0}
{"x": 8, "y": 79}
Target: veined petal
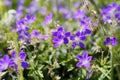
{"x": 89, "y": 58}
{"x": 79, "y": 57}
{"x": 85, "y": 55}
{"x": 79, "y": 64}
{"x": 24, "y": 64}
{"x": 22, "y": 55}
{"x": 81, "y": 45}
{"x": 66, "y": 41}
{"x": 6, "y": 58}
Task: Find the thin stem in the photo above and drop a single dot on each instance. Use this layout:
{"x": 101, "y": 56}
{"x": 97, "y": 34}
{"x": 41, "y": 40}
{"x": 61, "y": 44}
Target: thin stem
{"x": 112, "y": 61}
{"x": 95, "y": 16}
{"x": 20, "y": 71}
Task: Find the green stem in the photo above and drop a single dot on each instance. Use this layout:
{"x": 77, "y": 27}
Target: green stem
{"x": 20, "y": 71}
{"x": 112, "y": 61}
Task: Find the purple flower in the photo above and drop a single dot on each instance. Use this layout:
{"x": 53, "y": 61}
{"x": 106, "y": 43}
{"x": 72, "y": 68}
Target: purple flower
{"x": 110, "y": 12}
{"x": 48, "y": 19}
{"x": 43, "y": 10}
{"x": 36, "y": 34}
{"x": 64, "y": 11}
{"x": 78, "y": 39}
{"x": 76, "y": 4}
{"x": 4, "y": 63}
{"x": 29, "y": 19}
{"x": 21, "y": 57}
{"x": 8, "y": 2}
{"x": 22, "y": 28}
{"x": 33, "y": 7}
{"x": 85, "y": 23}
{"x": 20, "y": 9}
{"x": 80, "y": 14}
{"x": 111, "y": 41}
{"x": 84, "y": 60}
{"x": 60, "y": 37}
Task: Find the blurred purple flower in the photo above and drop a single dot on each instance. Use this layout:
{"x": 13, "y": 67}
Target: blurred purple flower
{"x": 22, "y": 57}
{"x": 65, "y": 12}
{"x": 76, "y": 4}
{"x": 48, "y": 19}
{"x": 110, "y": 12}
{"x": 8, "y": 2}
{"x": 20, "y": 9}
{"x": 22, "y": 28}
{"x": 79, "y": 37}
{"x": 60, "y": 37}
{"x": 33, "y": 7}
{"x": 36, "y": 34}
{"x": 43, "y": 10}
{"x": 4, "y": 63}
{"x": 29, "y": 19}
{"x": 111, "y": 41}
{"x": 80, "y": 14}
{"x": 84, "y": 60}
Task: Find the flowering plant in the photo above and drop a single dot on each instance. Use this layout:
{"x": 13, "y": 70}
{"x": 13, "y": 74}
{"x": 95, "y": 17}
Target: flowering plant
{"x": 59, "y": 40}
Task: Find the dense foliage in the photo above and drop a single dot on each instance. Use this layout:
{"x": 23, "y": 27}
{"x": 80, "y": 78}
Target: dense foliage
{"x": 59, "y": 39}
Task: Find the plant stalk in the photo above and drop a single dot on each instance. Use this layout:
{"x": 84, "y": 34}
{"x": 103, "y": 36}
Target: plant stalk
{"x": 112, "y": 62}
{"x": 20, "y": 71}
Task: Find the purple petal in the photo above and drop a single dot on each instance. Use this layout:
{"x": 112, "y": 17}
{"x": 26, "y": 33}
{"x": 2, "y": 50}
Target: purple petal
{"x": 88, "y": 31}
{"x": 78, "y": 33}
{"x": 6, "y": 57}
{"x": 79, "y": 64}
{"x": 60, "y": 28}
{"x": 74, "y": 44}
{"x": 114, "y": 41}
{"x": 107, "y": 41}
{"x": 22, "y": 55}
{"x": 67, "y": 34}
{"x": 72, "y": 37}
{"x": 89, "y": 58}
{"x": 44, "y": 23}
{"x": 24, "y": 64}
{"x": 79, "y": 57}
{"x": 33, "y": 18}
{"x": 12, "y": 63}
{"x": 56, "y": 45}
{"x": 1, "y": 61}
{"x": 44, "y": 37}
{"x": 54, "y": 33}
{"x": 28, "y": 16}
{"x": 35, "y": 33}
{"x": 81, "y": 45}
{"x": 85, "y": 55}
{"x": 66, "y": 41}
{"x": 83, "y": 38}
{"x": 118, "y": 8}
{"x": 87, "y": 65}
{"x": 55, "y": 40}
{"x": 60, "y": 35}
{"x": 1, "y": 69}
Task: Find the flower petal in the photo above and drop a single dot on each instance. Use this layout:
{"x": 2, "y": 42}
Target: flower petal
{"x": 79, "y": 64}
{"x": 79, "y": 57}
{"x": 81, "y": 45}
{"x": 87, "y": 65}
{"x": 89, "y": 58}
{"x": 22, "y": 55}
{"x": 24, "y": 64}
{"x": 85, "y": 55}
